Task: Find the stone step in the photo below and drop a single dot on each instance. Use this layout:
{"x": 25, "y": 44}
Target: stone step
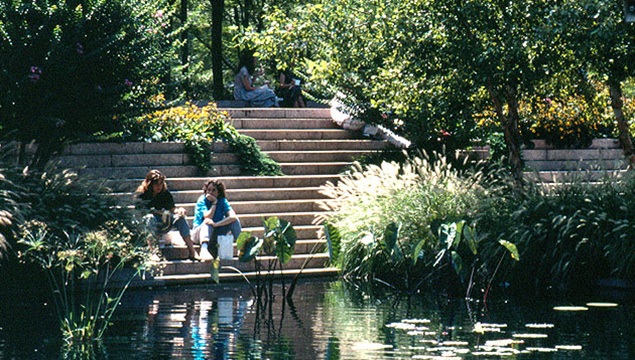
{"x": 243, "y": 208}
{"x": 255, "y": 194}
{"x": 295, "y": 134}
{"x": 567, "y": 176}
{"x": 577, "y": 154}
{"x": 311, "y": 168}
{"x": 236, "y": 183}
{"x": 303, "y": 232}
{"x": 180, "y": 267}
{"x": 124, "y": 148}
{"x": 295, "y": 218}
{"x": 302, "y": 246}
{"x": 286, "y": 113}
{"x": 596, "y": 144}
{"x": 277, "y": 123}
{"x": 554, "y": 165}
{"x": 303, "y": 145}
{"x": 317, "y": 155}
{"x": 228, "y": 275}
{"x": 123, "y": 160}
{"x": 139, "y": 172}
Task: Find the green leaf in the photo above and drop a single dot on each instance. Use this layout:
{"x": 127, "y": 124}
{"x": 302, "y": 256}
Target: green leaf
{"x": 469, "y": 234}
{"x": 391, "y": 234}
{"x": 416, "y": 251}
{"x": 215, "y": 271}
{"x": 511, "y": 248}
{"x": 333, "y": 240}
{"x": 251, "y": 249}
{"x": 447, "y": 234}
{"x": 242, "y": 239}
{"x": 459, "y": 266}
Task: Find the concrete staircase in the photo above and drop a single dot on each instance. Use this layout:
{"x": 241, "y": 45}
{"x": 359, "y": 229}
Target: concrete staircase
{"x": 543, "y": 163}
{"x": 310, "y": 148}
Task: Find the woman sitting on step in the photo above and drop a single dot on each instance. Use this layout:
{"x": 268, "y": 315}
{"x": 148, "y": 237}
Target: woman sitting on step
{"x": 244, "y": 89}
{"x": 164, "y": 215}
{"x": 213, "y": 216}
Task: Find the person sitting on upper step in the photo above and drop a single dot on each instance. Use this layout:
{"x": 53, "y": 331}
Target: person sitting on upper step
{"x": 244, "y": 89}
{"x": 213, "y": 216}
{"x": 164, "y": 215}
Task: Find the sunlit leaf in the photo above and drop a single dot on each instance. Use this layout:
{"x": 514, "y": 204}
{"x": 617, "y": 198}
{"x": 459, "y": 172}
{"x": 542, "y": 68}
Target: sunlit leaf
{"x": 469, "y": 234}
{"x": 333, "y": 240}
{"x": 513, "y": 250}
{"x": 251, "y": 249}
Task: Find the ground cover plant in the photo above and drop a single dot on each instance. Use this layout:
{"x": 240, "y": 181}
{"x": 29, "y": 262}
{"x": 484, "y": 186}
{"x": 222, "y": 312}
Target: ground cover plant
{"x": 198, "y": 127}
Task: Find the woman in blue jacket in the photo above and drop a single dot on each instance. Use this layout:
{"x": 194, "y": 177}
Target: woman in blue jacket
{"x": 213, "y": 216}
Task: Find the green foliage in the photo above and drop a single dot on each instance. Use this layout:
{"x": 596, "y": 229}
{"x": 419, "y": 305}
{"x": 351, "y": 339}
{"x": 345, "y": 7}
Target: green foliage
{"x": 279, "y": 240}
{"x": 333, "y": 241}
{"x": 199, "y": 127}
{"x": 383, "y": 214}
{"x": 572, "y": 234}
{"x": 252, "y": 160}
{"x": 67, "y": 67}
{"x": 82, "y": 237}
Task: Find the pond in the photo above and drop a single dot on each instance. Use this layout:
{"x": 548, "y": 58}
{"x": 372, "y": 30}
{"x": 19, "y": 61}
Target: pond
{"x": 332, "y": 320}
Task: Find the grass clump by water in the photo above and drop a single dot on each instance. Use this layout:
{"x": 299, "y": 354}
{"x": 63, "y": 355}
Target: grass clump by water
{"x": 410, "y": 224}
{"x": 384, "y": 215}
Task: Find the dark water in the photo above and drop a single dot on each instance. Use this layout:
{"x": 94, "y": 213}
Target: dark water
{"x": 328, "y": 320}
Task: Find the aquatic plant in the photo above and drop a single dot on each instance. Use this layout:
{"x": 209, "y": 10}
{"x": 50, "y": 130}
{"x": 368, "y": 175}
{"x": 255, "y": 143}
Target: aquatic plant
{"x": 83, "y": 238}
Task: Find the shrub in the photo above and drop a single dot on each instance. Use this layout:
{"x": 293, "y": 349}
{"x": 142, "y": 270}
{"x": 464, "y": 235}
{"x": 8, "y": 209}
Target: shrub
{"x": 569, "y": 236}
{"x": 199, "y": 127}
{"x": 67, "y": 67}
{"x": 81, "y": 236}
{"x": 412, "y": 195}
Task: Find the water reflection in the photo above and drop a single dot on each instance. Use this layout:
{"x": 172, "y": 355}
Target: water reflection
{"x": 332, "y": 321}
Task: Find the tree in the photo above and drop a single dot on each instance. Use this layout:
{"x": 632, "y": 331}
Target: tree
{"x": 69, "y": 69}
{"x": 598, "y": 35}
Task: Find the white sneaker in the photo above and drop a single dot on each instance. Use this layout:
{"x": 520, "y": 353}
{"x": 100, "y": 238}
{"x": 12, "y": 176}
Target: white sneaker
{"x": 205, "y": 255}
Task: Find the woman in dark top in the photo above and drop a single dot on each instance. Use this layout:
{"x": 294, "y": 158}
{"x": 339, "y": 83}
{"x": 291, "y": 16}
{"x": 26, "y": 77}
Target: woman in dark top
{"x": 154, "y": 192}
{"x": 289, "y": 90}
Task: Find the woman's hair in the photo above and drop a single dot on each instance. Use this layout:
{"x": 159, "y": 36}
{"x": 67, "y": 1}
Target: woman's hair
{"x": 220, "y": 187}
{"x": 151, "y": 177}
{"x": 247, "y": 60}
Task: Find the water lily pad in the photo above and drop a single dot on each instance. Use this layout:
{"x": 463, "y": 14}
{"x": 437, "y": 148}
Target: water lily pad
{"x": 569, "y": 347}
{"x": 541, "y": 349}
{"x": 432, "y": 357}
{"x": 570, "y": 308}
{"x": 502, "y": 342}
{"x": 368, "y": 346}
{"x": 455, "y": 343}
{"x": 531, "y": 336}
{"x": 539, "y": 326}
{"x": 416, "y": 321}
{"x": 601, "y": 304}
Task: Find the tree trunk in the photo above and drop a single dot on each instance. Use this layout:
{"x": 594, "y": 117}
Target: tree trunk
{"x": 218, "y": 10}
{"x": 510, "y": 129}
{"x": 512, "y": 135}
{"x": 615, "y": 91}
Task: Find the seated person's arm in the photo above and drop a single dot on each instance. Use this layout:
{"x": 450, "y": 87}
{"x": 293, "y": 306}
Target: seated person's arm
{"x": 247, "y": 84}
{"x": 230, "y": 218}
{"x": 283, "y": 80}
